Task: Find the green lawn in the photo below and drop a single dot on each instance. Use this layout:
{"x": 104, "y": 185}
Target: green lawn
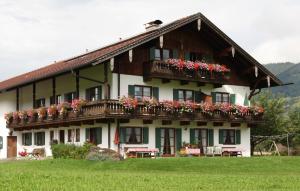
{"x": 270, "y": 173}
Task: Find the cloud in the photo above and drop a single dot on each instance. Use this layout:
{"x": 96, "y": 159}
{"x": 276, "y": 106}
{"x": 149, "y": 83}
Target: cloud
{"x": 35, "y": 33}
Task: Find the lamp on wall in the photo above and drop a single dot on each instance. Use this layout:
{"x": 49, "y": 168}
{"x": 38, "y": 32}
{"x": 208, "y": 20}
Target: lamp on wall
{"x": 112, "y": 63}
{"x": 256, "y": 71}
{"x": 232, "y": 51}
{"x": 269, "y": 81}
{"x": 199, "y": 24}
{"x": 161, "y": 41}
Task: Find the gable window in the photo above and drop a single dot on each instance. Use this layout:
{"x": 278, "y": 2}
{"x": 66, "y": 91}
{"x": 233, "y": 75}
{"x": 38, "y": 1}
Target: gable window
{"x": 40, "y": 103}
{"x": 69, "y": 97}
{"x": 141, "y": 92}
{"x": 166, "y": 54}
{"x": 222, "y": 97}
{"x": 56, "y": 101}
{"x": 26, "y": 139}
{"x": 157, "y": 54}
{"x": 93, "y": 94}
{"x": 74, "y": 135}
{"x": 39, "y": 138}
{"x": 185, "y": 95}
{"x": 133, "y": 135}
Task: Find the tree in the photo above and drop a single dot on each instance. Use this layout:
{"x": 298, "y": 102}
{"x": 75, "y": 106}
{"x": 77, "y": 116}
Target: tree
{"x": 274, "y": 118}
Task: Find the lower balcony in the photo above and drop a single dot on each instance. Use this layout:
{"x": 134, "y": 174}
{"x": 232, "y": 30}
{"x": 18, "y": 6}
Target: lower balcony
{"x": 109, "y": 110}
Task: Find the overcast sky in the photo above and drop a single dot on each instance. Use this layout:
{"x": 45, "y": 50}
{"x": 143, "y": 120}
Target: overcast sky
{"x": 35, "y": 33}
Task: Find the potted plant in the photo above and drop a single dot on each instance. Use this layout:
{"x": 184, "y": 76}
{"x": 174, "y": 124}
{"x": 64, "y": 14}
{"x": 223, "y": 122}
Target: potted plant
{"x": 52, "y": 112}
{"x": 150, "y": 104}
{"x": 23, "y": 116}
{"x": 8, "y": 117}
{"x": 16, "y": 118}
{"x": 42, "y": 113}
{"x": 32, "y": 115}
{"x": 77, "y": 105}
{"x": 63, "y": 109}
{"x": 129, "y": 104}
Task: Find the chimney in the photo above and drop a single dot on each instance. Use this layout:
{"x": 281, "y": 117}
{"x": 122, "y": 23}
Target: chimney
{"x": 153, "y": 25}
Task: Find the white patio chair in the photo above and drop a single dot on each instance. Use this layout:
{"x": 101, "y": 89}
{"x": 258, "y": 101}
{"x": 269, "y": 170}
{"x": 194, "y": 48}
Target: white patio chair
{"x": 209, "y": 151}
{"x": 218, "y": 151}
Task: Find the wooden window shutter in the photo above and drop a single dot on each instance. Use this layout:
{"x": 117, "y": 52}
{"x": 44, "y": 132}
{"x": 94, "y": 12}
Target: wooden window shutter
{"x": 178, "y": 139}
{"x": 87, "y": 134}
{"x": 130, "y": 90}
{"x": 187, "y": 56}
{"x": 213, "y": 95}
{"x": 155, "y": 93}
{"x": 192, "y": 136}
{"x": 175, "y": 94}
{"x": 198, "y": 96}
{"x": 158, "y": 138}
{"x": 221, "y": 135}
{"x": 152, "y": 53}
{"x": 237, "y": 137}
{"x": 145, "y": 135}
{"x": 99, "y": 135}
{"x": 210, "y": 137}
{"x": 175, "y": 53}
{"x": 232, "y": 98}
{"x": 122, "y": 135}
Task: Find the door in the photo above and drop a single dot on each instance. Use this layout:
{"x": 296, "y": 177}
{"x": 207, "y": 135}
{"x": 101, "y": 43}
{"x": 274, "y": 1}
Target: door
{"x": 201, "y": 138}
{"x": 61, "y": 136}
{"x": 11, "y": 146}
{"x": 168, "y": 141}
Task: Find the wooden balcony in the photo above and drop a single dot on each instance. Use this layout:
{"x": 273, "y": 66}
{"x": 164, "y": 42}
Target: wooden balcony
{"x": 161, "y": 70}
{"x": 109, "y": 110}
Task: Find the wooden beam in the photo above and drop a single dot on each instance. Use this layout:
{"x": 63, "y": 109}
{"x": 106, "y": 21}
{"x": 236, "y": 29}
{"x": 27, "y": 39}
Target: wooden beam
{"x": 185, "y": 123}
{"x": 184, "y": 82}
{"x": 200, "y": 84}
{"x": 164, "y": 81}
{"x": 77, "y": 84}
{"x": 33, "y": 94}
{"x": 201, "y": 123}
{"x": 218, "y": 124}
{"x": 54, "y": 90}
{"x": 235, "y": 124}
{"x": 166, "y": 122}
{"x": 124, "y": 120}
{"x": 147, "y": 121}
{"x": 17, "y": 99}
{"x": 106, "y": 85}
{"x": 88, "y": 122}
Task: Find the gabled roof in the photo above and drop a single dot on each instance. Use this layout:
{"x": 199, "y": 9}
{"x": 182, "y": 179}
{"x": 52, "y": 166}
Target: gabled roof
{"x": 107, "y": 52}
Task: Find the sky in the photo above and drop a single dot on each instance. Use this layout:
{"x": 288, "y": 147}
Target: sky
{"x": 36, "y": 33}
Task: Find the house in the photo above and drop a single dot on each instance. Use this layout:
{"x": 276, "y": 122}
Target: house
{"x": 183, "y": 82}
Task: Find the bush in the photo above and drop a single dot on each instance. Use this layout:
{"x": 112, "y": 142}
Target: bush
{"x": 102, "y": 154}
{"x": 70, "y": 151}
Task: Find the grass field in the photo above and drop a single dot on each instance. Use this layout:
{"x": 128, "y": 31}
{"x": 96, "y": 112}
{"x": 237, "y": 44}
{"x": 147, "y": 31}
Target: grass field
{"x": 270, "y": 173}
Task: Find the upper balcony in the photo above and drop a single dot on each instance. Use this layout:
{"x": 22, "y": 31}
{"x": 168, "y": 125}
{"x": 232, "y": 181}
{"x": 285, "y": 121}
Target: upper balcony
{"x": 176, "y": 69}
{"x": 127, "y": 108}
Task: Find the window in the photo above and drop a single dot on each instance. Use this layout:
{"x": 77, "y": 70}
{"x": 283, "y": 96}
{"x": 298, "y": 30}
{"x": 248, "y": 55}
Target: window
{"x": 195, "y": 56}
{"x": 93, "y": 94}
{"x": 222, "y": 97}
{"x": 70, "y": 96}
{"x": 185, "y": 95}
{"x": 56, "y": 101}
{"x": 26, "y": 139}
{"x": 141, "y": 92}
{"x": 51, "y": 136}
{"x": 228, "y": 136}
{"x": 94, "y": 135}
{"x": 73, "y": 135}
{"x": 157, "y": 54}
{"x": 40, "y": 103}
{"x": 167, "y": 141}
{"x": 166, "y": 54}
{"x": 62, "y": 136}
{"x": 39, "y": 138}
{"x": 201, "y": 137}
{"x": 133, "y": 135}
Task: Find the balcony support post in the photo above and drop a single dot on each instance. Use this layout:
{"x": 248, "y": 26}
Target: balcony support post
{"x": 108, "y": 127}
{"x": 106, "y": 85}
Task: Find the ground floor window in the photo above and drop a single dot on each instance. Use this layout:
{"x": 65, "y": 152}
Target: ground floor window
{"x": 94, "y": 135}
{"x": 201, "y": 137}
{"x": 27, "y": 139}
{"x": 133, "y": 135}
{"x": 229, "y": 136}
{"x": 39, "y": 138}
{"x": 61, "y": 136}
{"x": 167, "y": 141}
{"x": 51, "y": 136}
{"x": 74, "y": 135}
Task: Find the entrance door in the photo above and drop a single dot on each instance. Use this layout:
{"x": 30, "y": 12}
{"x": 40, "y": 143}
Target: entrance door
{"x": 201, "y": 138}
{"x": 168, "y": 141}
{"x": 62, "y": 136}
{"x": 11, "y": 146}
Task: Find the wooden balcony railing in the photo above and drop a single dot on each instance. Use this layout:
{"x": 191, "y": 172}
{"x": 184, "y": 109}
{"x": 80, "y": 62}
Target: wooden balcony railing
{"x": 162, "y": 70}
{"x": 113, "y": 109}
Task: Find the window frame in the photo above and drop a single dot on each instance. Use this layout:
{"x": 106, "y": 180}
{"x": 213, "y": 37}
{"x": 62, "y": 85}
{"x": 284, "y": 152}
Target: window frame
{"x": 141, "y": 86}
{"x": 222, "y": 97}
{"x": 88, "y": 95}
{"x": 197, "y": 136}
{"x": 225, "y": 133}
{"x": 184, "y": 94}
{"x": 128, "y": 135}
{"x": 66, "y": 95}
{"x": 24, "y": 142}
{"x": 36, "y": 142}
{"x": 72, "y": 135}
{"x": 41, "y": 102}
